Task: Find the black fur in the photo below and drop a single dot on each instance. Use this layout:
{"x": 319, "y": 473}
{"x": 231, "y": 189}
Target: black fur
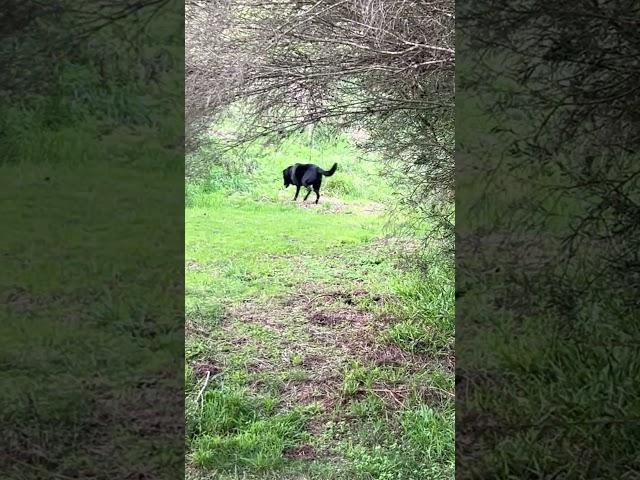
{"x": 306, "y": 175}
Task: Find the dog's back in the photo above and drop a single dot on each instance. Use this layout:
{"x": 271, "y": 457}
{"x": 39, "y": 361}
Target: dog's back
{"x": 307, "y": 174}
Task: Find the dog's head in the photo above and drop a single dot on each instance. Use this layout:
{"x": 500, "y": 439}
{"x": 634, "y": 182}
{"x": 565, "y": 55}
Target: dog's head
{"x": 285, "y": 177}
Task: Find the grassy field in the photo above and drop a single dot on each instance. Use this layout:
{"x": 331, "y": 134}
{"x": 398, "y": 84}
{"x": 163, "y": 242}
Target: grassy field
{"x": 91, "y": 328}
{"x": 91, "y": 322}
{"x": 313, "y": 350}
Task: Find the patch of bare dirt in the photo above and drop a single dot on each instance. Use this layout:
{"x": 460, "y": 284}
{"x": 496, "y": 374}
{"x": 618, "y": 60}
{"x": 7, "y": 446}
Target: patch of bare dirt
{"x": 323, "y": 391}
{"x": 393, "y": 396}
{"x": 326, "y": 329}
{"x": 312, "y": 296}
{"x": 335, "y": 205}
{"x": 449, "y": 362}
{"x": 388, "y": 355}
{"x": 202, "y": 367}
{"x": 321, "y": 318}
{"x": 193, "y": 266}
{"x": 269, "y": 315}
{"x": 305, "y": 452}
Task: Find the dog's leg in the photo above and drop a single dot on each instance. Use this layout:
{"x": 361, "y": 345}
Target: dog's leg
{"x": 297, "y": 192}
{"x": 317, "y": 195}
{"x": 307, "y": 195}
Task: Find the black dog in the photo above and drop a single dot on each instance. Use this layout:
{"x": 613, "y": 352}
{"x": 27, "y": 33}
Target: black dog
{"x": 308, "y": 176}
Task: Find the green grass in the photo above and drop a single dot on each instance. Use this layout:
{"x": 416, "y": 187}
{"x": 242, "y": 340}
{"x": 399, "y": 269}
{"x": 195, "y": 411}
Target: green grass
{"x": 81, "y": 325}
{"x": 255, "y": 173}
{"x": 230, "y": 430}
{"x": 238, "y": 251}
{"x": 313, "y": 349}
{"x": 426, "y": 308}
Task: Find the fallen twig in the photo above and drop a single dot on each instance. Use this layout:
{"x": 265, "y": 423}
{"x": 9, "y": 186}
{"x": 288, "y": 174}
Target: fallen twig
{"x": 200, "y": 396}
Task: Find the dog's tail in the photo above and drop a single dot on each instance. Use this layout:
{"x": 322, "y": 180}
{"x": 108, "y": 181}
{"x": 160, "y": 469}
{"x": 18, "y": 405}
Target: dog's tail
{"x": 328, "y": 173}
